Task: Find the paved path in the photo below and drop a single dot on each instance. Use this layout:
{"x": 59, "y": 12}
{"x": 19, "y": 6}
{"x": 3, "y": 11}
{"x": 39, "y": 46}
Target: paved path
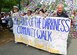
{"x": 11, "y": 48}
{"x": 20, "y": 49}
{"x": 72, "y": 50}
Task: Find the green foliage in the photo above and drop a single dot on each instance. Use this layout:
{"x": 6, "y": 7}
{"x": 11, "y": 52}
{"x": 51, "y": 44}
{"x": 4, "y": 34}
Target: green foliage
{"x": 5, "y": 9}
{"x": 7, "y": 4}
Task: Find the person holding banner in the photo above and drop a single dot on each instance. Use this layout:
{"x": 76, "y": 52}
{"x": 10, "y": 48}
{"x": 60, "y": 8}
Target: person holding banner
{"x": 60, "y": 12}
{"x": 15, "y": 11}
{"x": 41, "y": 12}
{"x": 29, "y": 12}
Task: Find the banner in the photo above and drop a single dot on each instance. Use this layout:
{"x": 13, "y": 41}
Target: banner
{"x": 49, "y": 34}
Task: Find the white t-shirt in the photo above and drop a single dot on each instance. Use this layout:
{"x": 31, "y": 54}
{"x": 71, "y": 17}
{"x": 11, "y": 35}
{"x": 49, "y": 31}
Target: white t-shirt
{"x": 3, "y": 20}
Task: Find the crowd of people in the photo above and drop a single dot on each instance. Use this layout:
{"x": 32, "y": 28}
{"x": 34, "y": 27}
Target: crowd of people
{"x": 6, "y": 18}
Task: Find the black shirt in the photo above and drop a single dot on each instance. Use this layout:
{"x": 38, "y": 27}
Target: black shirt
{"x": 62, "y": 15}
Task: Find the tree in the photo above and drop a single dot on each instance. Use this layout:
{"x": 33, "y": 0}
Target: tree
{"x": 7, "y": 4}
{"x": 1, "y": 5}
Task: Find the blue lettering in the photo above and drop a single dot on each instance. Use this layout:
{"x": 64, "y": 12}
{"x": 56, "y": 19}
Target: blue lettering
{"x": 18, "y": 30}
{"x": 62, "y": 28}
{"x": 49, "y": 36}
{"x": 67, "y": 25}
{"x": 38, "y": 22}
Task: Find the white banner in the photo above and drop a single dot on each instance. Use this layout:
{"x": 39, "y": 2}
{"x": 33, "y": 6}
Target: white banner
{"x": 49, "y": 34}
